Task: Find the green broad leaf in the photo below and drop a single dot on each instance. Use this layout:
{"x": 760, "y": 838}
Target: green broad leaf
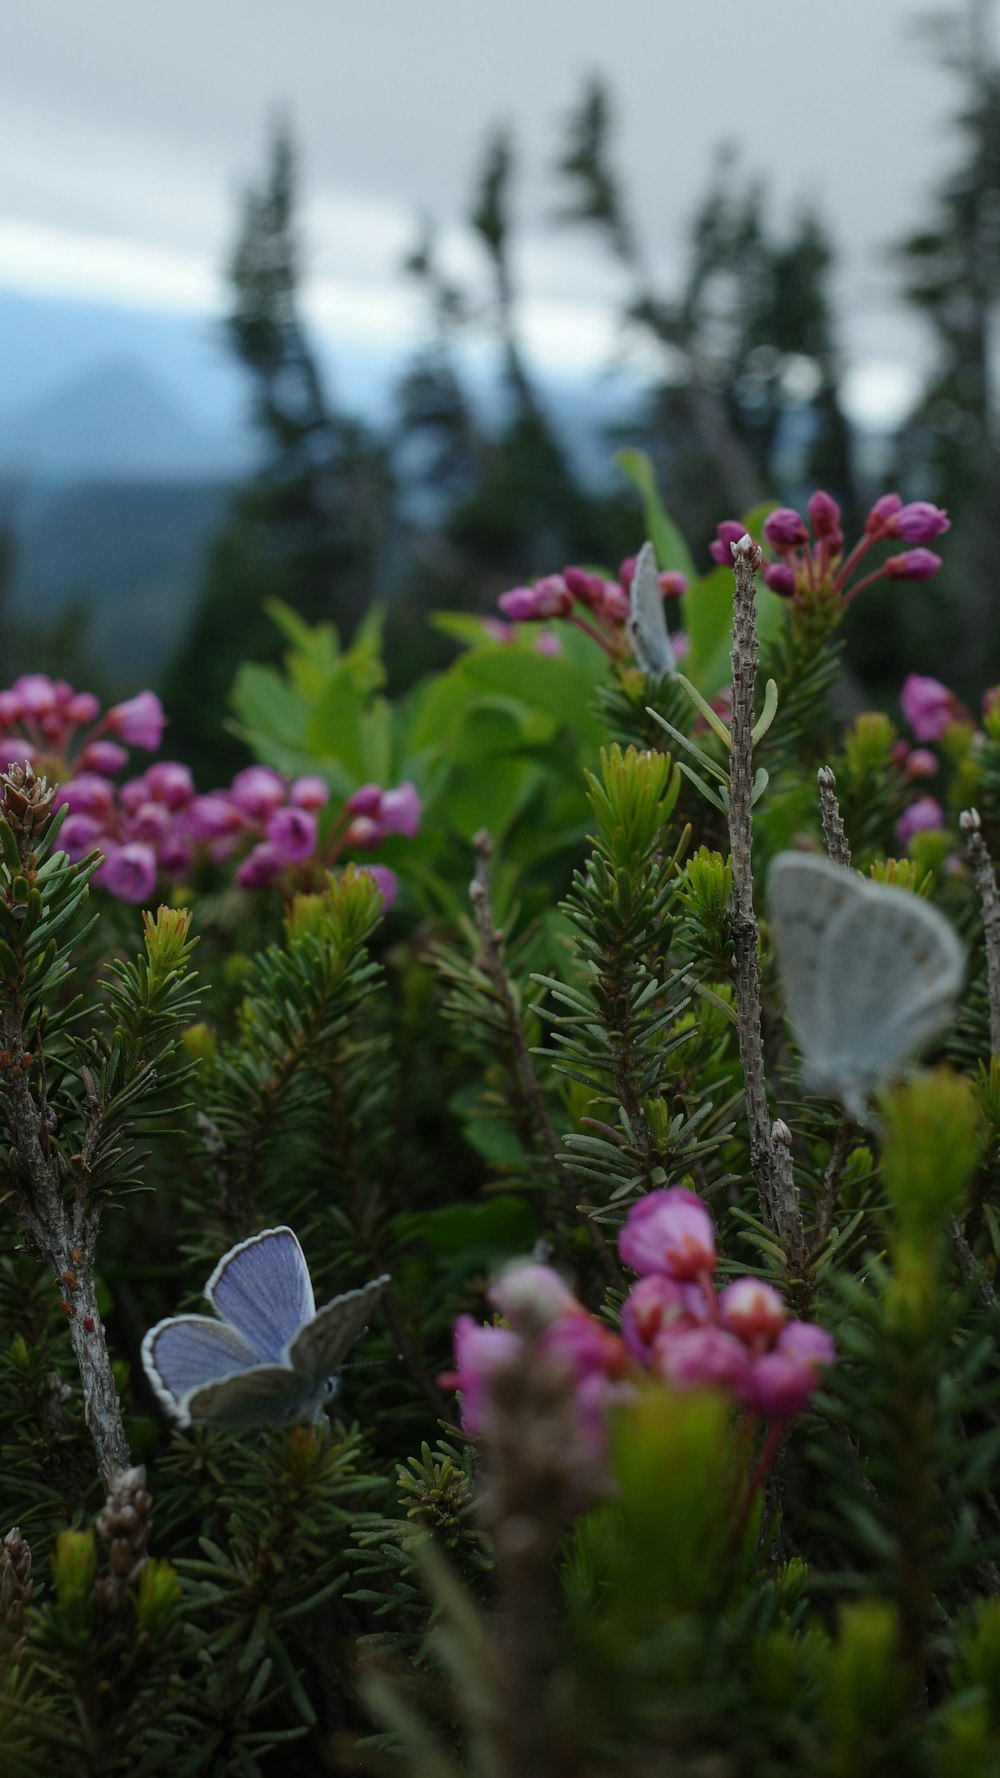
{"x": 499, "y": 1227}
{"x": 707, "y": 610}
{"x": 464, "y": 626}
{"x": 672, "y": 552}
{"x": 265, "y": 704}
{"x": 491, "y": 799}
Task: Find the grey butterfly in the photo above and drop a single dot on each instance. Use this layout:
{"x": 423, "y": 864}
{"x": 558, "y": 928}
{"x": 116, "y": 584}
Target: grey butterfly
{"x": 870, "y": 973}
{"x": 647, "y": 624}
{"x": 273, "y": 1357}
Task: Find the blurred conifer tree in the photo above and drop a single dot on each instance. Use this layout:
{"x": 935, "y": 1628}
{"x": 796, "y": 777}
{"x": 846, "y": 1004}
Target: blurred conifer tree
{"x": 306, "y": 527}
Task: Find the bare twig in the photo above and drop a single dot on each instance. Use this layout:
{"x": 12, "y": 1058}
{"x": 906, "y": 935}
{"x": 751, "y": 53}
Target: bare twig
{"x": 787, "y": 1209}
{"x": 491, "y": 961}
{"x": 833, "y": 826}
{"x": 768, "y": 1170}
{"x": 989, "y": 896}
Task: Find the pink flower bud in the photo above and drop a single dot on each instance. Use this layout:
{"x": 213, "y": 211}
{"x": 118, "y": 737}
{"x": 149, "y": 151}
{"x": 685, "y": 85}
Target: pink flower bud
{"x": 83, "y": 707}
{"x": 133, "y": 792}
{"x": 385, "y": 880}
{"x": 260, "y": 868}
{"x": 530, "y": 1296}
{"x": 919, "y": 522}
{"x": 176, "y": 855}
{"x": 672, "y": 584}
{"x": 913, "y": 564}
{"x": 310, "y": 793}
{"x": 588, "y": 588}
{"x": 400, "y": 810}
{"x": 151, "y": 822}
{"x": 78, "y": 836}
{"x": 753, "y": 1311}
{"x": 128, "y": 872}
{"x": 882, "y": 514}
{"x": 552, "y": 597}
{"x": 920, "y": 764}
{"x": 584, "y": 1346}
{"x": 103, "y": 756}
{"x": 780, "y": 1383}
{"x": 10, "y": 708}
{"x": 701, "y": 1357}
{"x": 366, "y": 800}
{"x": 518, "y": 604}
{"x": 480, "y": 1353}
{"x": 87, "y": 795}
{"x": 292, "y": 834}
{"x": 363, "y": 831}
{"x": 785, "y": 529}
{"x": 669, "y": 1231}
{"x": 626, "y": 572}
{"x": 929, "y": 707}
{"x": 655, "y": 1303}
{"x": 170, "y": 783}
{"x": 824, "y": 516}
{"x": 139, "y": 721}
{"x": 924, "y": 816}
{"x": 213, "y": 816}
{"x": 258, "y": 791}
{"x": 548, "y": 644}
{"x": 780, "y": 578}
{"x": 15, "y": 752}
{"x": 35, "y": 693}
{"x": 729, "y": 532}
{"x": 615, "y": 605}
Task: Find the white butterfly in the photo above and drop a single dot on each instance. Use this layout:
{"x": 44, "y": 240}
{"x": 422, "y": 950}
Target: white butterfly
{"x": 647, "y": 624}
{"x": 870, "y": 973}
{"x": 273, "y": 1357}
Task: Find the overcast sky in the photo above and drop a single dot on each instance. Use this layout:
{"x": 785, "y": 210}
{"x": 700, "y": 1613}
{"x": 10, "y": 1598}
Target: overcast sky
{"x": 127, "y": 130}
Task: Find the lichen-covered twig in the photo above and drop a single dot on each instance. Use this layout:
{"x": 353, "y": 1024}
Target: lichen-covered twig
{"x": 768, "y": 1170}
{"x": 787, "y": 1209}
{"x": 989, "y": 896}
{"x": 491, "y": 961}
{"x": 833, "y": 826}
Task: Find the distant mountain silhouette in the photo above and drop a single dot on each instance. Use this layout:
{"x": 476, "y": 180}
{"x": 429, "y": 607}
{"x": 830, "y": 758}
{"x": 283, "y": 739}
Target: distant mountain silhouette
{"x": 116, "y": 424}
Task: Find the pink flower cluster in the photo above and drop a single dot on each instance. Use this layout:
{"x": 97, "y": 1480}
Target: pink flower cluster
{"x": 157, "y": 823}
{"x": 156, "y": 826}
{"x": 739, "y": 1339}
{"x": 930, "y": 709}
{"x": 45, "y": 722}
{"x": 597, "y": 606}
{"x": 811, "y": 556}
{"x": 674, "y": 1325}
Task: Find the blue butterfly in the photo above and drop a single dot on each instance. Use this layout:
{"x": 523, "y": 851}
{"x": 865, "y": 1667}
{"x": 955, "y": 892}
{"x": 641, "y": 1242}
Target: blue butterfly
{"x": 647, "y": 624}
{"x": 273, "y": 1358}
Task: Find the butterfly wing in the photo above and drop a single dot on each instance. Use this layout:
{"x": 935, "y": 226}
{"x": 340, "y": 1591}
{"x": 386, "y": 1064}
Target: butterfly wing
{"x": 267, "y": 1395}
{"x": 891, "y": 967}
{"x": 647, "y": 624}
{"x": 805, "y": 895}
{"x": 319, "y": 1349}
{"x": 185, "y": 1351}
{"x": 262, "y": 1287}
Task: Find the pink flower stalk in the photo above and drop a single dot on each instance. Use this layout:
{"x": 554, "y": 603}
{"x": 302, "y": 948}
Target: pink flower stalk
{"x": 929, "y": 707}
{"x": 669, "y": 1231}
{"x": 924, "y": 816}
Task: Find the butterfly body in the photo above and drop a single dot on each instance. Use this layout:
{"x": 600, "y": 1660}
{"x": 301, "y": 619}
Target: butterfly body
{"x": 647, "y": 623}
{"x": 870, "y": 973}
{"x": 272, "y": 1358}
